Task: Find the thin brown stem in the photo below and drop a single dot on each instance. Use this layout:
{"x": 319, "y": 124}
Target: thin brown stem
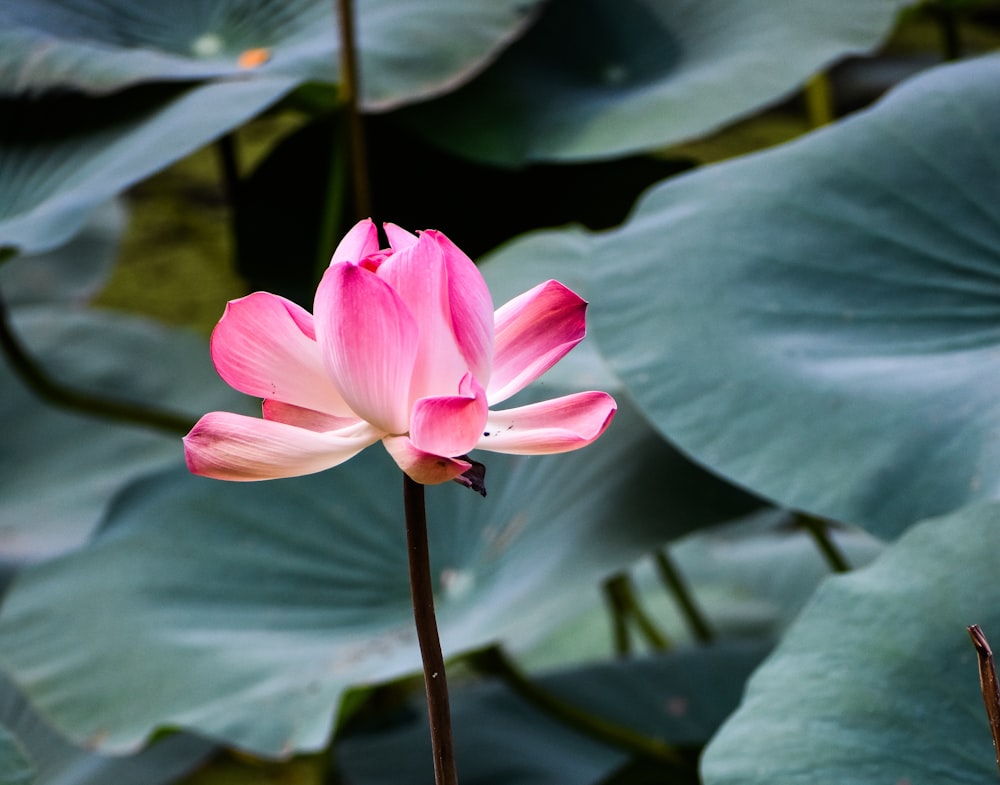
{"x": 622, "y": 596}
{"x": 988, "y": 684}
{"x": 820, "y": 531}
{"x": 695, "y": 617}
{"x": 422, "y": 593}
{"x": 350, "y": 87}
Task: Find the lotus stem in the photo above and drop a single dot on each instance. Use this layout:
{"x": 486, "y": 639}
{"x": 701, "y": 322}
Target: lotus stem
{"x": 422, "y": 594}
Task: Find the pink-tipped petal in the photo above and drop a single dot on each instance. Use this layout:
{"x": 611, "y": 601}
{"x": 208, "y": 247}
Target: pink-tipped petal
{"x": 558, "y": 425}
{"x": 228, "y": 446}
{"x": 358, "y": 243}
{"x": 419, "y": 274}
{"x": 471, "y": 308}
{"x": 398, "y": 237}
{"x": 305, "y": 418}
{"x": 423, "y": 467}
{"x": 368, "y": 340}
{"x": 533, "y": 332}
{"x": 265, "y": 346}
{"x": 450, "y": 424}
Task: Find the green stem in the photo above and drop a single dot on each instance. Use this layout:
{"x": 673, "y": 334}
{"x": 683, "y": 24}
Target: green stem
{"x": 622, "y": 596}
{"x": 422, "y": 594}
{"x": 820, "y": 531}
{"x": 494, "y": 662}
{"x": 678, "y": 587}
{"x": 65, "y": 397}
{"x": 619, "y": 622}
{"x": 819, "y": 101}
{"x": 351, "y": 97}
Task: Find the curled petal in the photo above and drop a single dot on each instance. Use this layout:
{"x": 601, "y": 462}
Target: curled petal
{"x": 265, "y": 346}
{"x": 533, "y": 332}
{"x": 423, "y": 467}
{"x": 450, "y": 424}
{"x": 305, "y": 418}
{"x": 368, "y": 341}
{"x": 398, "y": 237}
{"x": 228, "y": 446}
{"x": 558, "y": 425}
{"x": 358, "y": 243}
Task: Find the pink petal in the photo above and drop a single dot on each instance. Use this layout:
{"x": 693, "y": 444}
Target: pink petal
{"x": 228, "y": 446}
{"x": 398, "y": 237}
{"x": 558, "y": 425}
{"x": 421, "y": 466}
{"x": 441, "y": 289}
{"x": 419, "y": 276}
{"x": 450, "y": 424}
{"x": 471, "y": 308}
{"x": 368, "y": 340}
{"x": 265, "y": 346}
{"x": 358, "y": 243}
{"x": 305, "y": 418}
{"x": 533, "y": 332}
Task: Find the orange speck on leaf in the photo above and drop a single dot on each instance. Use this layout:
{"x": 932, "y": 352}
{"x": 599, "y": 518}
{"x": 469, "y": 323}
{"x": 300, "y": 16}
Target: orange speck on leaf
{"x": 251, "y": 58}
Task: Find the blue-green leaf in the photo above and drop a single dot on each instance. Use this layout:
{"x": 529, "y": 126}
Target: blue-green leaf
{"x": 601, "y": 78}
{"x": 245, "y": 610}
{"x": 877, "y": 681}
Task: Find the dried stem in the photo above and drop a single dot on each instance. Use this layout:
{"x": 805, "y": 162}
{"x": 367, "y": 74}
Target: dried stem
{"x": 988, "y": 684}
{"x": 422, "y": 593}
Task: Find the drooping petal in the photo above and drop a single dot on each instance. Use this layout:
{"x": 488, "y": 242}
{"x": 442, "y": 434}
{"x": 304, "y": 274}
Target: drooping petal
{"x": 558, "y": 425}
{"x": 533, "y": 332}
{"x": 305, "y": 418}
{"x": 450, "y": 424}
{"x": 419, "y": 276}
{"x": 423, "y": 467}
{"x": 265, "y": 346}
{"x": 228, "y": 446}
{"x": 358, "y": 243}
{"x": 398, "y": 237}
{"x": 368, "y": 340}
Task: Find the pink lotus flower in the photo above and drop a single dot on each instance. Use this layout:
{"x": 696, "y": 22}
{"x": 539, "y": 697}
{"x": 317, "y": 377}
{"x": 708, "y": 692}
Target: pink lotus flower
{"x": 404, "y": 348}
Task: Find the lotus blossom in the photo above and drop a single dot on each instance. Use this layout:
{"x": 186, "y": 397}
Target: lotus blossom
{"x": 404, "y": 348}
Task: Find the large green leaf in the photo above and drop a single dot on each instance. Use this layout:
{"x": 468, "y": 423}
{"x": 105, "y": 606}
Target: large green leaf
{"x": 679, "y": 698}
{"x": 821, "y": 322}
{"x": 57, "y": 762}
{"x": 406, "y": 50}
{"x": 600, "y": 78}
{"x": 61, "y": 469}
{"x": 877, "y": 681}
{"x": 71, "y": 273}
{"x": 15, "y": 767}
{"x": 62, "y": 157}
{"x": 245, "y": 610}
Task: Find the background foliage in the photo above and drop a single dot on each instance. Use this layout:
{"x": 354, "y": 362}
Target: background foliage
{"x": 803, "y": 341}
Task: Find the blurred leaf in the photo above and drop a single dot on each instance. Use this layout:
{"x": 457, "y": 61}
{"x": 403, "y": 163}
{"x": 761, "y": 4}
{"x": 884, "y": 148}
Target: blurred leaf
{"x": 679, "y": 698}
{"x": 15, "y": 767}
{"x": 818, "y": 323}
{"x": 406, "y": 50}
{"x": 601, "y": 78}
{"x": 417, "y": 186}
{"x": 60, "y": 763}
{"x": 877, "y": 680}
{"x": 74, "y": 272}
{"x": 62, "y": 157}
{"x": 61, "y": 469}
{"x": 828, "y": 334}
{"x": 245, "y": 610}
{"x": 750, "y": 578}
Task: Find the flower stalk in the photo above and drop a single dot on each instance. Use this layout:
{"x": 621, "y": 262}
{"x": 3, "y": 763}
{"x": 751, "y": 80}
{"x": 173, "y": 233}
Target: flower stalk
{"x": 422, "y": 594}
